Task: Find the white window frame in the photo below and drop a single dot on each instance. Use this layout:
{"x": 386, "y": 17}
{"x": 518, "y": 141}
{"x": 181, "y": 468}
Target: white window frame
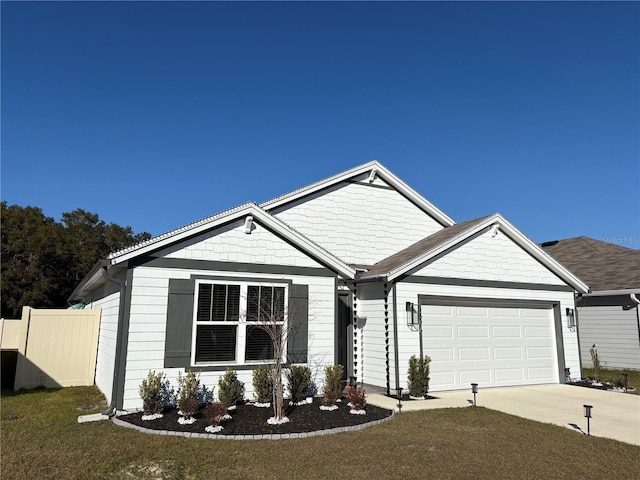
{"x": 241, "y": 324}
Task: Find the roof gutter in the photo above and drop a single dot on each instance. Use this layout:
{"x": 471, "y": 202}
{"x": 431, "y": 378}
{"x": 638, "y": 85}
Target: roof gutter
{"x": 607, "y": 293}
{"x": 111, "y": 409}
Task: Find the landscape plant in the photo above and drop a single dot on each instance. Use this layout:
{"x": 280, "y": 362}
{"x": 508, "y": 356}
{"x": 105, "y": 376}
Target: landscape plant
{"x": 215, "y": 414}
{"x": 263, "y": 384}
{"x": 298, "y": 382}
{"x": 188, "y": 386}
{"x": 332, "y": 384}
{"x": 418, "y": 376}
{"x": 152, "y": 394}
{"x": 230, "y": 389}
{"x": 595, "y": 359}
{"x": 357, "y": 401}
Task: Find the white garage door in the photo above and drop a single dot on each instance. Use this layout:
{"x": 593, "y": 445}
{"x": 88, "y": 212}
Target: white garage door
{"x": 492, "y": 346}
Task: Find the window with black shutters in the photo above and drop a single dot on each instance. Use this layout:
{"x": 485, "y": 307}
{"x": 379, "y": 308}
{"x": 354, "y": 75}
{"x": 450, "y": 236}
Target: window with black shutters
{"x": 229, "y": 317}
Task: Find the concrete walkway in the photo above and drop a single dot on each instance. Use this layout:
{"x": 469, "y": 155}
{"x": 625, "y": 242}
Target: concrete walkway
{"x": 614, "y": 415}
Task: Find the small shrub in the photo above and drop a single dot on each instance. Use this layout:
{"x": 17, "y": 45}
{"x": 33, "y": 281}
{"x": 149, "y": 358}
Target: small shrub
{"x": 596, "y": 362}
{"x": 263, "y": 384}
{"x": 188, "y": 386}
{"x": 332, "y": 384}
{"x": 188, "y": 406}
{"x": 214, "y": 413}
{"x": 152, "y": 393}
{"x": 357, "y": 399}
{"x": 418, "y": 375}
{"x": 298, "y": 382}
{"x": 230, "y": 389}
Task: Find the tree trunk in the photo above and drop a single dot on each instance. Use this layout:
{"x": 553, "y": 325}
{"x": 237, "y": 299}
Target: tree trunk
{"x": 278, "y": 394}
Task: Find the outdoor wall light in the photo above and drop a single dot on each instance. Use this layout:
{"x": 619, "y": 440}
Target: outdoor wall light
{"x": 587, "y": 414}
{"x": 410, "y": 314}
{"x": 571, "y": 318}
{"x": 474, "y": 390}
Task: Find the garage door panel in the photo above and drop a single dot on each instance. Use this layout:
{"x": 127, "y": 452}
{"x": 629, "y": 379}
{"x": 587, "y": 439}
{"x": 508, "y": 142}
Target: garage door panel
{"x": 538, "y": 352}
{"x": 446, "y": 379}
{"x": 542, "y": 373}
{"x": 510, "y": 375}
{"x": 476, "y": 312}
{"x": 439, "y": 311}
{"x": 478, "y": 376}
{"x": 536, "y": 313}
{"x": 507, "y": 353}
{"x": 493, "y": 346}
{"x": 437, "y": 331}
{"x": 507, "y": 332}
{"x": 465, "y": 354}
{"x": 536, "y": 332}
{"x": 506, "y": 312}
{"x": 441, "y": 355}
{"x": 473, "y": 332}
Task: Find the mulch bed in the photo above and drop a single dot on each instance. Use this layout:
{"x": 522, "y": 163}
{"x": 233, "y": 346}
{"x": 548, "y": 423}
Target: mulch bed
{"x": 251, "y": 420}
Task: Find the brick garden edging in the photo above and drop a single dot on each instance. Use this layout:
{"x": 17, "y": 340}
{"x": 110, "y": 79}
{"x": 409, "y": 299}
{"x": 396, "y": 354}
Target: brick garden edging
{"x": 270, "y": 436}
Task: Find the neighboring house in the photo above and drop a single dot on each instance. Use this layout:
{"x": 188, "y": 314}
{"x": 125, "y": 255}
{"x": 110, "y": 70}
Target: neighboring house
{"x": 360, "y": 261}
{"x": 607, "y": 315}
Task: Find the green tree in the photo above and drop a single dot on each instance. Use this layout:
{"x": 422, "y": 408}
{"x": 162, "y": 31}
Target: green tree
{"x": 44, "y": 260}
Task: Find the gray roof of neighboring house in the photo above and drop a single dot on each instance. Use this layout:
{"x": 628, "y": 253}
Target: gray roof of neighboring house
{"x": 425, "y": 245}
{"x": 602, "y": 265}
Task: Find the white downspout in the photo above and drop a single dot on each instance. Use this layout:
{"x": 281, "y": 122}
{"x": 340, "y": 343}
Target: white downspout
{"x": 634, "y": 298}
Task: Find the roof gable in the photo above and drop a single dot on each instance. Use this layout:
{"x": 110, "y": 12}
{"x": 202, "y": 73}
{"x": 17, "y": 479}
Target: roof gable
{"x": 249, "y": 211}
{"x": 448, "y": 239}
{"x": 372, "y": 171}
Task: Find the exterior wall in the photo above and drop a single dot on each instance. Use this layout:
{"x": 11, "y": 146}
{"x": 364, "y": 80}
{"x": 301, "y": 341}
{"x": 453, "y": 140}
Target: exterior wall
{"x": 373, "y": 340}
{"x": 613, "y": 326}
{"x": 408, "y": 337}
{"x": 232, "y": 244}
{"x": 147, "y": 327}
{"x": 491, "y": 258}
{"x": 105, "y": 362}
{"x": 358, "y": 222}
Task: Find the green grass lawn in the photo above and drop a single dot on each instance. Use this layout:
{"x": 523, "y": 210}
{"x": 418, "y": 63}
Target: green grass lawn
{"x": 605, "y": 375}
{"x": 41, "y": 439}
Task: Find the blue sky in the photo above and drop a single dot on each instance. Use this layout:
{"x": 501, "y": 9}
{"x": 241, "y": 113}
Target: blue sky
{"x": 155, "y": 115}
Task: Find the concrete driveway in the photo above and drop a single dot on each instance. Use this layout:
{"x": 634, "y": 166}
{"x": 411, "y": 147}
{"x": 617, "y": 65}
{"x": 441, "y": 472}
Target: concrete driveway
{"x": 614, "y": 415}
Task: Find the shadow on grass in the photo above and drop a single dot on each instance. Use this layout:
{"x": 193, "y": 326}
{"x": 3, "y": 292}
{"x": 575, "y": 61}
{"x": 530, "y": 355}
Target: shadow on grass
{"x": 577, "y": 427}
{"x": 31, "y": 391}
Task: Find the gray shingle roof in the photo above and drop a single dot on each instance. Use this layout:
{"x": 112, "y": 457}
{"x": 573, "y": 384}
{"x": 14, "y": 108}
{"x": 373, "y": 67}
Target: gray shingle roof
{"x": 602, "y": 265}
{"x": 423, "y": 246}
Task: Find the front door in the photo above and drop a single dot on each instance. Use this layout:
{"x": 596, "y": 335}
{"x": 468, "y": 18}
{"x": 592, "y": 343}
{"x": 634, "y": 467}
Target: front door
{"x": 344, "y": 347}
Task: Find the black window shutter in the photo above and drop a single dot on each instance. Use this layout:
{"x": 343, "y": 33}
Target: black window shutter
{"x": 177, "y": 343}
{"x": 298, "y": 313}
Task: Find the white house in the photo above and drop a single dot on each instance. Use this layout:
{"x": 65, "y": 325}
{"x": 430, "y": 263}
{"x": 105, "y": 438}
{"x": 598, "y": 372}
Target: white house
{"x": 374, "y": 273}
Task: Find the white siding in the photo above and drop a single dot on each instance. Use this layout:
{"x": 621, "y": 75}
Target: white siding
{"x": 491, "y": 258}
{"x": 232, "y": 244}
{"x": 105, "y": 361}
{"x": 359, "y": 223}
{"x": 615, "y": 331}
{"x": 147, "y": 327}
{"x": 371, "y": 334}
